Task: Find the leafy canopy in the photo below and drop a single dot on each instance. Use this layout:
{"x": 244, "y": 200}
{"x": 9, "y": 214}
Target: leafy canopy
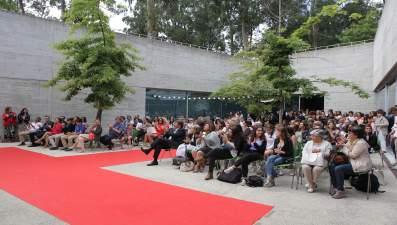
{"x": 267, "y": 74}
{"x": 93, "y": 62}
{"x": 9, "y": 5}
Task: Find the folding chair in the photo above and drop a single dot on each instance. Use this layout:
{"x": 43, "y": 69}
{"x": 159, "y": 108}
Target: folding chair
{"x": 369, "y": 172}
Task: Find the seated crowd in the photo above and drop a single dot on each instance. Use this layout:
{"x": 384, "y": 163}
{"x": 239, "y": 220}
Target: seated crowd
{"x": 315, "y": 137}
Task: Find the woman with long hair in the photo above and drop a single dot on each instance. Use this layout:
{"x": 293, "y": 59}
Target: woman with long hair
{"x": 233, "y": 144}
{"x": 283, "y": 150}
{"x": 207, "y": 141}
{"x": 255, "y": 151}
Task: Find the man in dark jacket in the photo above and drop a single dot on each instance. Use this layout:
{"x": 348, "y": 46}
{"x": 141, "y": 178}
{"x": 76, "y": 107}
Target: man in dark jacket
{"x": 172, "y": 139}
{"x": 392, "y": 117}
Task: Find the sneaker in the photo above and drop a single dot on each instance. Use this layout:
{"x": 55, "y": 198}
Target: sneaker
{"x": 310, "y": 190}
{"x": 243, "y": 182}
{"x": 22, "y": 144}
{"x": 230, "y": 169}
{"x": 307, "y": 185}
{"x": 280, "y": 173}
{"x": 269, "y": 184}
{"x": 54, "y": 148}
{"x": 332, "y": 191}
{"x": 339, "y": 195}
{"x": 69, "y": 149}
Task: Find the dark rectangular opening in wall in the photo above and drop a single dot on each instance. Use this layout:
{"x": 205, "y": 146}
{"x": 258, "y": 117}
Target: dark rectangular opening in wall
{"x": 313, "y": 103}
{"x": 179, "y": 103}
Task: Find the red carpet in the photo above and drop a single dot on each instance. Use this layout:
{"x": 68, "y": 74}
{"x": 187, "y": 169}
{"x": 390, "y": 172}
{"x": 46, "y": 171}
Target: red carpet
{"x": 77, "y": 191}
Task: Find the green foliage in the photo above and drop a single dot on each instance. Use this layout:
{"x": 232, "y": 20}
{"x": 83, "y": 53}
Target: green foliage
{"x": 9, "y": 5}
{"x": 347, "y": 84}
{"x": 339, "y": 21}
{"x": 208, "y": 23}
{"x": 267, "y": 74}
{"x": 364, "y": 28}
{"x": 93, "y": 62}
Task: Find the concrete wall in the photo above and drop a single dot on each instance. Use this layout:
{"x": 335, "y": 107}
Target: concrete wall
{"x": 385, "y": 45}
{"x": 353, "y": 63}
{"x": 28, "y": 60}
{"x": 385, "y": 57}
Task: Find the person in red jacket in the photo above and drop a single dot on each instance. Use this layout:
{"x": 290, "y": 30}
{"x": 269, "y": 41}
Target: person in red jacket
{"x": 9, "y": 123}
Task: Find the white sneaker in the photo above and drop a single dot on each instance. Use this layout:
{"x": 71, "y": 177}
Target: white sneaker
{"x": 280, "y": 173}
{"x": 230, "y": 169}
{"x": 310, "y": 190}
{"x": 307, "y": 185}
{"x": 243, "y": 182}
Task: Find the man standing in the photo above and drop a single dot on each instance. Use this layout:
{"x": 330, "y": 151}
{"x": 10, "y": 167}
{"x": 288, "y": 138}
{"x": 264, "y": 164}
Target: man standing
{"x": 171, "y": 139}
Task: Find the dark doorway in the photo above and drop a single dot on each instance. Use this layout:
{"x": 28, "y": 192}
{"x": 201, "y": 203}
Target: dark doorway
{"x": 313, "y": 103}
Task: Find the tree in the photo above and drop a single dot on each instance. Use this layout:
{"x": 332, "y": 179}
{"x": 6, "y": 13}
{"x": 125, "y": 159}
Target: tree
{"x": 268, "y": 75}
{"x": 40, "y": 8}
{"x": 151, "y": 21}
{"x": 9, "y": 5}
{"x": 209, "y": 23}
{"x": 364, "y": 27}
{"x": 330, "y": 18}
{"x": 93, "y": 62}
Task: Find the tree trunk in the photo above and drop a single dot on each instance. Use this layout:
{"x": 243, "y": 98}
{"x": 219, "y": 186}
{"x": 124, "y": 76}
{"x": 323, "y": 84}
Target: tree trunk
{"x": 99, "y": 114}
{"x": 151, "y": 19}
{"x": 232, "y": 47}
{"x": 315, "y": 28}
{"x": 63, "y": 8}
{"x": 279, "y": 18}
{"x": 281, "y": 111}
{"x": 244, "y": 34}
{"x": 315, "y": 35}
{"x": 21, "y": 6}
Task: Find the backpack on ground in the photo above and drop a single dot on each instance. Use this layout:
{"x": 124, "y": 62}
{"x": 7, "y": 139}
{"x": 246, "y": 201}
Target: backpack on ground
{"x": 233, "y": 177}
{"x": 254, "y": 181}
{"x": 360, "y": 183}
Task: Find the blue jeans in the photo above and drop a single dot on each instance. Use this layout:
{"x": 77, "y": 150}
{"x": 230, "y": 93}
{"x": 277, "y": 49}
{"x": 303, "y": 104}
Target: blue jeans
{"x": 338, "y": 173}
{"x": 272, "y": 161}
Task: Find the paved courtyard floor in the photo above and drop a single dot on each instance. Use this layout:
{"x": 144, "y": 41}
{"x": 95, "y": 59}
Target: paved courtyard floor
{"x": 290, "y": 206}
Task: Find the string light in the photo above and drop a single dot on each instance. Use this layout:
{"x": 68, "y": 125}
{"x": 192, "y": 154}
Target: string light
{"x": 204, "y": 98}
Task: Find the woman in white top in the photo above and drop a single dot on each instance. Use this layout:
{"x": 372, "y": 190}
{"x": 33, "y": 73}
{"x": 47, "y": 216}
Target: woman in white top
{"x": 313, "y": 161}
{"x": 270, "y": 136}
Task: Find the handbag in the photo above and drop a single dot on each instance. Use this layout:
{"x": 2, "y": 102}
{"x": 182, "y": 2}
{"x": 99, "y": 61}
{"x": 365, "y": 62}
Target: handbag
{"x": 187, "y": 166}
{"x": 338, "y": 158}
{"x": 91, "y": 136}
{"x": 233, "y": 177}
{"x": 254, "y": 181}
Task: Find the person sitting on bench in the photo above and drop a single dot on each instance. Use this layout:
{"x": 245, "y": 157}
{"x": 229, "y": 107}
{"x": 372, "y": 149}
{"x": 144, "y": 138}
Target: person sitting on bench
{"x": 171, "y": 139}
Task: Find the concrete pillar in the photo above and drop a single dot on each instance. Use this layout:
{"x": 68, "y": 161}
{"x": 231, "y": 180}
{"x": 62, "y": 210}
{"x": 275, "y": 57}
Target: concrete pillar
{"x": 386, "y": 105}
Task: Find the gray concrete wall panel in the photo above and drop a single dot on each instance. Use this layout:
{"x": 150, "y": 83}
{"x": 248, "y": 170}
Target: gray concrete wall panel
{"x": 353, "y": 63}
